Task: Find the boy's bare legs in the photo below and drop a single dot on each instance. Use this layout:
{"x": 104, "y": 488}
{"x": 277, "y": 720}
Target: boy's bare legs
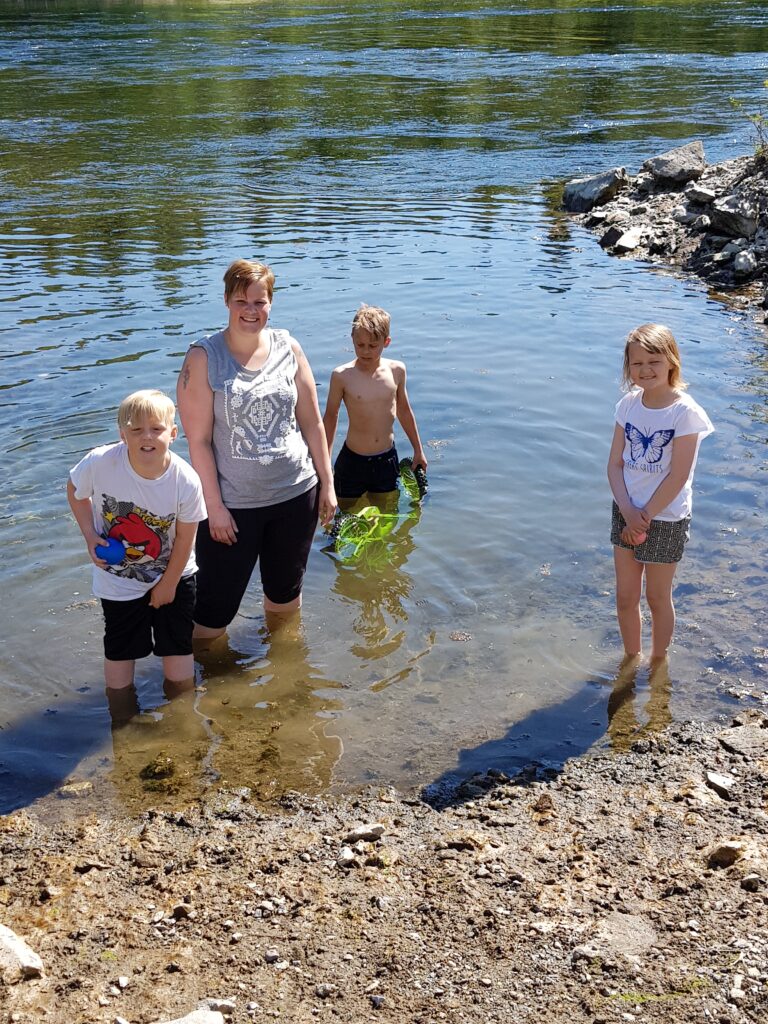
{"x": 629, "y": 588}
{"x": 179, "y": 673}
{"x": 658, "y": 593}
{"x": 385, "y": 501}
{"x": 123, "y": 704}
{"x": 118, "y": 674}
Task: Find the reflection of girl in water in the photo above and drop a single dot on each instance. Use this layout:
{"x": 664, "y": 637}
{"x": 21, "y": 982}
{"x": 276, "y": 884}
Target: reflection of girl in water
{"x": 623, "y": 724}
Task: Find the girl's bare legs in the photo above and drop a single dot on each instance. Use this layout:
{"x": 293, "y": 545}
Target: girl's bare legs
{"x": 629, "y": 588}
{"x": 658, "y": 593}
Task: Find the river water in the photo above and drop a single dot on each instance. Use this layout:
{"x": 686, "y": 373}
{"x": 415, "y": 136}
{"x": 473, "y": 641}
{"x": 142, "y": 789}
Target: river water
{"x": 401, "y": 156}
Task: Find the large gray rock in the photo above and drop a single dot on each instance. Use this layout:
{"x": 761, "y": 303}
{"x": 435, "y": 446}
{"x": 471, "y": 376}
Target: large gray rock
{"x": 581, "y": 194}
{"x": 685, "y": 163}
{"x": 749, "y": 740}
{"x": 629, "y": 240}
{"x": 199, "y": 1017}
{"x": 700, "y": 194}
{"x": 17, "y": 960}
{"x": 745, "y": 263}
{"x": 630, "y": 935}
{"x": 734, "y": 216}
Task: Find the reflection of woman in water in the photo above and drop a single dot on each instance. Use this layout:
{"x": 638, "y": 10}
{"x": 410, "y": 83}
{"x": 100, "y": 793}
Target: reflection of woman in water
{"x": 259, "y": 721}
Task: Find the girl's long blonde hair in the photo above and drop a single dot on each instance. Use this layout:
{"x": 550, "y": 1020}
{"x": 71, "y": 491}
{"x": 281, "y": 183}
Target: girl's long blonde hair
{"x": 656, "y": 338}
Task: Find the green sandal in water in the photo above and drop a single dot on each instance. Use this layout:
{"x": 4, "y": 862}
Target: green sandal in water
{"x": 414, "y": 480}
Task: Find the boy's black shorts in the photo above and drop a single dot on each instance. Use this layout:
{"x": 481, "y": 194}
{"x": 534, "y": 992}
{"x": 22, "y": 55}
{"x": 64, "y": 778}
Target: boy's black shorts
{"x": 355, "y": 474}
{"x": 133, "y": 629}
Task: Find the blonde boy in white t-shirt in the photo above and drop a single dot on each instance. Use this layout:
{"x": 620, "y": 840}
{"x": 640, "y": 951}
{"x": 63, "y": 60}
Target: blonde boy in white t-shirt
{"x": 139, "y": 495}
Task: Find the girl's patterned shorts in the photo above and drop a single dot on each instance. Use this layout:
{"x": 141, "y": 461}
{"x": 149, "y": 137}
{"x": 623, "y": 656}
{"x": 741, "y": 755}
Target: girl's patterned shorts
{"x": 665, "y": 542}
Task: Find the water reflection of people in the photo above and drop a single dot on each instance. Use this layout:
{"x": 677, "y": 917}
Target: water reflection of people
{"x": 623, "y": 722}
{"x": 270, "y": 710}
{"x": 375, "y": 581}
{"x": 258, "y": 720}
{"x": 157, "y": 750}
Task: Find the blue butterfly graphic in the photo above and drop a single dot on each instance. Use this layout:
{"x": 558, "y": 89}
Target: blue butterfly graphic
{"x": 651, "y": 447}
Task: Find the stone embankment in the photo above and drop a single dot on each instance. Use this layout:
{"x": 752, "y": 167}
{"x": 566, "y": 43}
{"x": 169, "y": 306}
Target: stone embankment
{"x": 709, "y": 220}
{"x": 630, "y": 886}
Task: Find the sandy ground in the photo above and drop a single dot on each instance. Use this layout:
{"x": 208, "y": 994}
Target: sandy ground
{"x": 629, "y": 886}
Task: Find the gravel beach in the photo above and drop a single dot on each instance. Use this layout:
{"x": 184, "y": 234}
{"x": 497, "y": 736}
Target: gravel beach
{"x": 628, "y": 886}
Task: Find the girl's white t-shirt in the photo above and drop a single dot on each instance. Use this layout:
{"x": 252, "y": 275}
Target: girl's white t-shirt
{"x": 648, "y": 435}
{"x": 140, "y": 513}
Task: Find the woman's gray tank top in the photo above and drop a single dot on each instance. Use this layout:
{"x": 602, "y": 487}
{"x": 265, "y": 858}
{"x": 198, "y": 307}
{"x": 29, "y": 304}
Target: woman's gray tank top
{"x": 261, "y": 455}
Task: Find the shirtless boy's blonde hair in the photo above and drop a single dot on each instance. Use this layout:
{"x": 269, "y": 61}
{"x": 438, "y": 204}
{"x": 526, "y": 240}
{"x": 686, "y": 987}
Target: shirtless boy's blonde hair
{"x": 243, "y": 273}
{"x": 148, "y": 404}
{"x": 372, "y": 319}
{"x": 656, "y": 338}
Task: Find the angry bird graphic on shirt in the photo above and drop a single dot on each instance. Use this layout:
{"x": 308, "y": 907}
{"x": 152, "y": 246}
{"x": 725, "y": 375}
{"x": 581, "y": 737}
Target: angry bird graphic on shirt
{"x": 140, "y": 541}
{"x": 145, "y": 536}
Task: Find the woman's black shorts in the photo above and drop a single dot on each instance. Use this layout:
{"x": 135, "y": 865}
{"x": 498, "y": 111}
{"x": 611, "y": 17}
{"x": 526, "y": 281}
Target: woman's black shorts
{"x": 279, "y": 537}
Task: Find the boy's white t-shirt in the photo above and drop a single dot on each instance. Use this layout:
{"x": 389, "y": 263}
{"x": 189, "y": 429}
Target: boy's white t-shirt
{"x": 140, "y": 513}
{"x": 648, "y": 435}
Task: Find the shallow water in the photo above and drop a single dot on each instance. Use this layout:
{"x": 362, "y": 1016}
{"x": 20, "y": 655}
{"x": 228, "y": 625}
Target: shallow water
{"x": 403, "y": 161}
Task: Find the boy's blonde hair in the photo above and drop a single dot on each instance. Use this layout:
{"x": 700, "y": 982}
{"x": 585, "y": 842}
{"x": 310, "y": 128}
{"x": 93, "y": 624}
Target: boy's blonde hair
{"x": 243, "y": 273}
{"x": 656, "y": 338}
{"x": 143, "y": 405}
{"x": 372, "y": 319}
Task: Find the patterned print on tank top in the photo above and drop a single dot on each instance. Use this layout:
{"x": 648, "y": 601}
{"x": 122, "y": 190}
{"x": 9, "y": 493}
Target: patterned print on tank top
{"x": 259, "y": 417}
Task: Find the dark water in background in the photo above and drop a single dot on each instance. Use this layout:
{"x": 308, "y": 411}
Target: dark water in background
{"x": 398, "y": 155}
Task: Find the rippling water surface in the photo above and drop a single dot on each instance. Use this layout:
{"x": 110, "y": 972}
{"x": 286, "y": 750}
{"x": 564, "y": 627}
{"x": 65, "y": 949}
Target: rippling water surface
{"x": 402, "y": 157}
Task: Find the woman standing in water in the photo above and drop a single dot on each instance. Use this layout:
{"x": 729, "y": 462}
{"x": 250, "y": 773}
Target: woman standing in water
{"x": 248, "y": 404}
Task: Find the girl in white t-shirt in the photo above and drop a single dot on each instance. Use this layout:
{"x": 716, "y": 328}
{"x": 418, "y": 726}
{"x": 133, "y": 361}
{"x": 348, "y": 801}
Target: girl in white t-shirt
{"x": 655, "y": 443}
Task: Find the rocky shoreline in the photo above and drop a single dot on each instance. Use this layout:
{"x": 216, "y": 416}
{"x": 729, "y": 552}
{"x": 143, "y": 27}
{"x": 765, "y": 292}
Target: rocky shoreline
{"x": 707, "y": 220}
{"x": 630, "y": 886}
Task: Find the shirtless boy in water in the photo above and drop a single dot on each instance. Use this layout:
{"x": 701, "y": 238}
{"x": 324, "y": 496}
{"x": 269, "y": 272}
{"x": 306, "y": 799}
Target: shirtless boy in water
{"x": 374, "y": 394}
